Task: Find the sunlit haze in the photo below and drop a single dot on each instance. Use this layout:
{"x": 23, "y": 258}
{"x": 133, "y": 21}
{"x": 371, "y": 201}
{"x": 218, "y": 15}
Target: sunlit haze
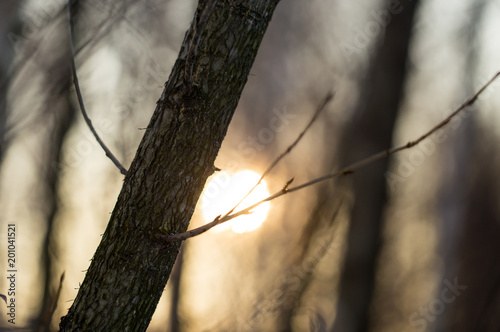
{"x": 224, "y": 190}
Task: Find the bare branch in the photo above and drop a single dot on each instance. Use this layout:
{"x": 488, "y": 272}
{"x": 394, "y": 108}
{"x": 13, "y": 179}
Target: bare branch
{"x": 345, "y": 171}
{"x": 108, "y": 152}
{"x": 328, "y": 98}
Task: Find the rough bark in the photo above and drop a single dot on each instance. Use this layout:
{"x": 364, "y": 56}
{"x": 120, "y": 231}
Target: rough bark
{"x": 369, "y": 132}
{"x": 131, "y": 266}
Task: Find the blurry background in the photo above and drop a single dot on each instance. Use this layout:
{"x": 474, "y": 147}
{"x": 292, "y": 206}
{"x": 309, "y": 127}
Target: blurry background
{"x": 406, "y": 244}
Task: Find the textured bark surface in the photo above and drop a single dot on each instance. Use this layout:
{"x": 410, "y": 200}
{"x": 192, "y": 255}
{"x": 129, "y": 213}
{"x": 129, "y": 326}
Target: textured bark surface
{"x": 131, "y": 266}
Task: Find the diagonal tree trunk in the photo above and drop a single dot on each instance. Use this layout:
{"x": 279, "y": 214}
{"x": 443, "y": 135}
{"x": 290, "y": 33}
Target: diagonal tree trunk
{"x": 131, "y": 266}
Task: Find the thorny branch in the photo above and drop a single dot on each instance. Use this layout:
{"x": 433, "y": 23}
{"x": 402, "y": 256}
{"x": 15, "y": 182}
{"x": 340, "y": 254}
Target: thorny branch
{"x": 345, "y": 171}
{"x": 108, "y": 152}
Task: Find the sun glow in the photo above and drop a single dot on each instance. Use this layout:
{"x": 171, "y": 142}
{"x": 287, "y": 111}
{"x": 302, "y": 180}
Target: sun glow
{"x": 224, "y": 190}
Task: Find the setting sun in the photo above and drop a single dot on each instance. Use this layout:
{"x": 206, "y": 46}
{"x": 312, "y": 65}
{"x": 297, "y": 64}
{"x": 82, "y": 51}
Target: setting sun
{"x": 224, "y": 190}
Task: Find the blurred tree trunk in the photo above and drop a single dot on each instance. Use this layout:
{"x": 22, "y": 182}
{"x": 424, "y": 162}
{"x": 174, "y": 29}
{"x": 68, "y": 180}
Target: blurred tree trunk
{"x": 131, "y": 265}
{"x": 9, "y": 23}
{"x": 477, "y": 249}
{"x": 175, "y": 286}
{"x": 455, "y": 192}
{"x": 57, "y": 113}
{"x": 320, "y": 228}
{"x": 371, "y": 131}
{"x": 476, "y": 307}
{"x": 60, "y": 114}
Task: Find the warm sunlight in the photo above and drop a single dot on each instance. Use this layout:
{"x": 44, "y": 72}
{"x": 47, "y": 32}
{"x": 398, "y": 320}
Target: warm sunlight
{"x": 224, "y": 190}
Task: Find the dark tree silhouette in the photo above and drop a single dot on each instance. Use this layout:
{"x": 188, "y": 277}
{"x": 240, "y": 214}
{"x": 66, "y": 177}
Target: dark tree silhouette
{"x": 371, "y": 130}
{"x": 9, "y": 24}
{"x": 131, "y": 265}
{"x": 61, "y": 111}
{"x": 457, "y": 196}
{"x": 473, "y": 250}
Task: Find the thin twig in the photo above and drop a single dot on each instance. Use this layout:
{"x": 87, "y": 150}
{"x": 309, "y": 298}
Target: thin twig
{"x": 329, "y": 96}
{"x": 108, "y": 152}
{"x": 345, "y": 171}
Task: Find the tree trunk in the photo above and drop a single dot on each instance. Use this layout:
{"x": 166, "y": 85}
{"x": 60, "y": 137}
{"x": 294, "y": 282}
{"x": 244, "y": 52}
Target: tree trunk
{"x": 455, "y": 201}
{"x": 63, "y": 112}
{"x": 131, "y": 266}
{"x": 9, "y": 25}
{"x": 369, "y": 132}
{"x": 476, "y": 247}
